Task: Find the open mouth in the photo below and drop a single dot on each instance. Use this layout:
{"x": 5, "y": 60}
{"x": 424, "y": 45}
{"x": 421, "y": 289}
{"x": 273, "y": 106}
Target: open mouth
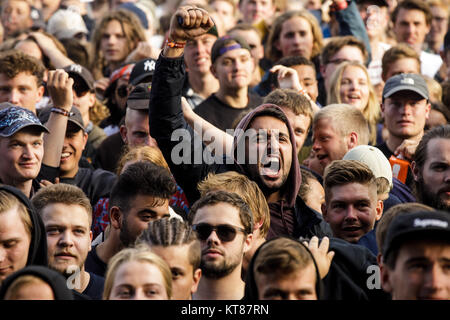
{"x": 65, "y": 156}
{"x": 270, "y": 167}
{"x": 351, "y": 229}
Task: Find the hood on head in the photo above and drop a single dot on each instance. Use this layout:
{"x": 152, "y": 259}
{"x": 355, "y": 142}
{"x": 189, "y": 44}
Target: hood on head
{"x": 294, "y": 179}
{"x": 53, "y": 278}
{"x": 37, "y": 254}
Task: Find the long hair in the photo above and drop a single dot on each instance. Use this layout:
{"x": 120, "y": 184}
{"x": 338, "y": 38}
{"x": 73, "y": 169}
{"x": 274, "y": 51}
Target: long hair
{"x": 273, "y": 53}
{"x": 372, "y": 109}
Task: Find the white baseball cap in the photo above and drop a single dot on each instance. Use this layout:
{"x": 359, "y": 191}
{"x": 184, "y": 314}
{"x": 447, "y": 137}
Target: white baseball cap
{"x": 374, "y": 159}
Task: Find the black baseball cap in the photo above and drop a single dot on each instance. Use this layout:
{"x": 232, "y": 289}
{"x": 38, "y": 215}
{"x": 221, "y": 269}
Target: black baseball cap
{"x": 406, "y": 82}
{"x": 75, "y": 117}
{"x": 81, "y": 72}
{"x": 142, "y": 71}
{"x": 139, "y": 98}
{"x": 417, "y": 225}
{"x": 14, "y": 118}
{"x": 227, "y": 43}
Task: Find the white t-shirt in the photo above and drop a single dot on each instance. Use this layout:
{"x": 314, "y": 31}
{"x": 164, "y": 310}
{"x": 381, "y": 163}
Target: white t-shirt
{"x": 431, "y": 63}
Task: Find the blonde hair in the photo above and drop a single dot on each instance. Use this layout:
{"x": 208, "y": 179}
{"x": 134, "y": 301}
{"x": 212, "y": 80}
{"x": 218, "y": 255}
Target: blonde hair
{"x": 140, "y": 253}
{"x": 346, "y": 119}
{"x": 16, "y": 285}
{"x": 9, "y": 202}
{"x": 273, "y": 53}
{"x": 248, "y": 190}
{"x": 434, "y": 89}
{"x": 141, "y": 153}
{"x": 371, "y": 111}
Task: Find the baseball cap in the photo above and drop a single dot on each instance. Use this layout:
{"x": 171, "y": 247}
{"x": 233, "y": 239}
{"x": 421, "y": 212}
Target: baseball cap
{"x": 374, "y": 159}
{"x": 406, "y": 82}
{"x": 75, "y": 117}
{"x": 138, "y": 98}
{"x": 83, "y": 73}
{"x": 419, "y": 225}
{"x": 14, "y": 118}
{"x": 66, "y": 23}
{"x": 140, "y": 14}
{"x": 141, "y": 70}
{"x": 227, "y": 43}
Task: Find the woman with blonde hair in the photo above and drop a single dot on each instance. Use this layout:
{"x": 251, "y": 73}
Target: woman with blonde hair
{"x": 137, "y": 274}
{"x": 350, "y": 83}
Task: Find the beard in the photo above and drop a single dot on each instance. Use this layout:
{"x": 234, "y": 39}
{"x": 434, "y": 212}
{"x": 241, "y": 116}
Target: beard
{"x": 220, "y": 269}
{"x": 125, "y": 237}
{"x": 427, "y": 197}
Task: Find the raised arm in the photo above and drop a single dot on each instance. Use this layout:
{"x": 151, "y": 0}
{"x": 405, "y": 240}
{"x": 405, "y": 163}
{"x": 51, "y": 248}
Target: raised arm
{"x": 165, "y": 111}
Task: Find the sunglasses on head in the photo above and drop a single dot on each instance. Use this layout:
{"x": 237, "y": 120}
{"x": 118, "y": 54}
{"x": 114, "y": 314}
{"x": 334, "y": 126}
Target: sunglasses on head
{"x": 225, "y": 232}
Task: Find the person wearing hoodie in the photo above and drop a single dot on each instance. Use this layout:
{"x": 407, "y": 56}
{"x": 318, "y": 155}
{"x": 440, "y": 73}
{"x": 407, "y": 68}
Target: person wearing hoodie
{"x": 280, "y": 183}
{"x": 35, "y": 283}
{"x": 22, "y": 235}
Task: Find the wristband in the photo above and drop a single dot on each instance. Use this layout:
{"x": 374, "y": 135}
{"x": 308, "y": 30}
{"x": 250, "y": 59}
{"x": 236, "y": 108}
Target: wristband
{"x": 174, "y": 44}
{"x": 62, "y": 111}
{"x": 339, "y": 6}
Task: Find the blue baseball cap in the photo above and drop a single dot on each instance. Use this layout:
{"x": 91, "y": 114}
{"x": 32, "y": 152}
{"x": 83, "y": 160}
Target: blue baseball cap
{"x": 14, "y": 118}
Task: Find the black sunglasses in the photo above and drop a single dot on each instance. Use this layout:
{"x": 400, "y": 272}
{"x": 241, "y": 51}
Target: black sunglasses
{"x": 225, "y": 232}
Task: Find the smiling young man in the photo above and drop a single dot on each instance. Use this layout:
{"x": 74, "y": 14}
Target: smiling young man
{"x": 337, "y": 129}
{"x": 141, "y": 194}
{"x": 233, "y": 66}
{"x": 67, "y": 216}
{"x": 280, "y": 184}
{"x": 21, "y": 146}
{"x": 351, "y": 202}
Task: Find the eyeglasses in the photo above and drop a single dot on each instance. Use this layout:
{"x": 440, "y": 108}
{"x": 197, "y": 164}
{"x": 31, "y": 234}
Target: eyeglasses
{"x": 122, "y": 91}
{"x": 225, "y": 232}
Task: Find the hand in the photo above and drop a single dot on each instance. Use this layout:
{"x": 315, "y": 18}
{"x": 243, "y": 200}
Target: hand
{"x": 45, "y": 183}
{"x": 321, "y": 255}
{"x": 59, "y": 86}
{"x": 407, "y": 148}
{"x": 45, "y": 42}
{"x": 100, "y": 85}
{"x": 143, "y": 50}
{"x": 196, "y": 22}
{"x": 287, "y": 77}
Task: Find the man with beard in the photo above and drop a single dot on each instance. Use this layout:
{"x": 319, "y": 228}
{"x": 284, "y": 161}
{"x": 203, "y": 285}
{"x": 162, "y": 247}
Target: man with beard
{"x": 224, "y": 225}
{"x": 273, "y": 163}
{"x": 141, "y": 194}
{"x": 67, "y": 216}
{"x": 431, "y": 168}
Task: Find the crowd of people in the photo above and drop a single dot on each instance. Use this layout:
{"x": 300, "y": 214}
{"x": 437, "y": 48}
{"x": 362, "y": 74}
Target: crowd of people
{"x": 224, "y": 150}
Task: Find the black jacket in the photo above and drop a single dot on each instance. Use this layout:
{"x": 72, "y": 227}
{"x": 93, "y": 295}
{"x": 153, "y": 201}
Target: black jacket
{"x": 166, "y": 116}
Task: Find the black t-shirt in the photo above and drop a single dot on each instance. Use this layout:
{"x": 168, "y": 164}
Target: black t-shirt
{"x": 222, "y": 115}
{"x": 94, "y": 290}
{"x": 388, "y": 153}
{"x": 94, "y": 264}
